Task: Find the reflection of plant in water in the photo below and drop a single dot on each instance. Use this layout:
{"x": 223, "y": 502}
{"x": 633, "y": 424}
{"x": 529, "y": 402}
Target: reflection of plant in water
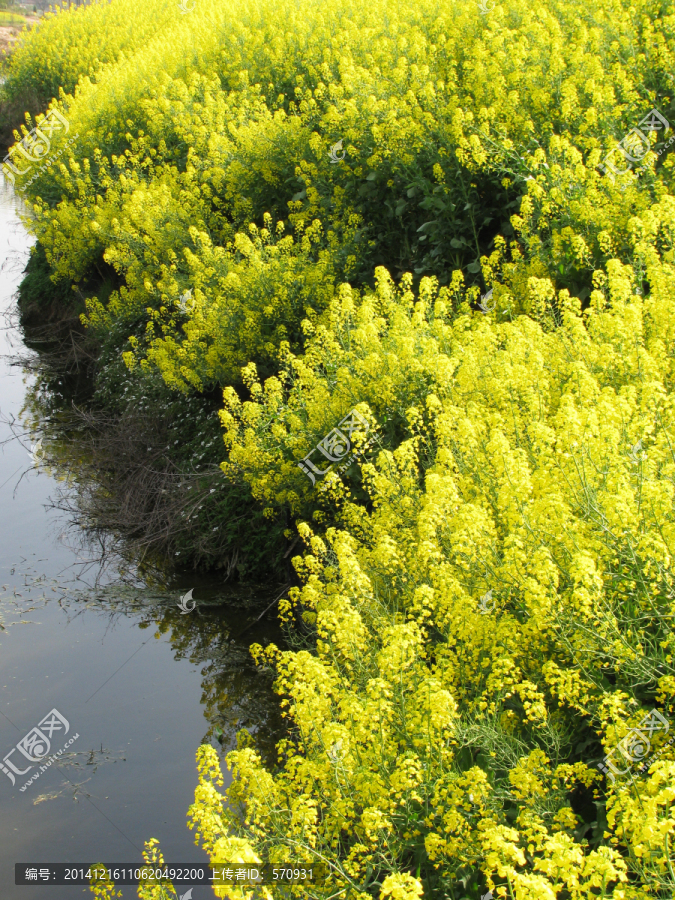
{"x": 147, "y": 470}
{"x": 92, "y": 757}
{"x": 235, "y": 693}
{"x": 28, "y": 593}
{"x": 80, "y": 760}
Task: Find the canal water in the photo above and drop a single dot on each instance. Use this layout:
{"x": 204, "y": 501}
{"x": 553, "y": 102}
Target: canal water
{"x": 138, "y": 681}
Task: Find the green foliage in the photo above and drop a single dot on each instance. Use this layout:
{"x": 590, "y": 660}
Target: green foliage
{"x": 37, "y": 290}
{"x": 435, "y": 748}
{"x": 72, "y": 41}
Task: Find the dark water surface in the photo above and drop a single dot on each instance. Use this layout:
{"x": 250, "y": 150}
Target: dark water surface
{"x": 140, "y": 683}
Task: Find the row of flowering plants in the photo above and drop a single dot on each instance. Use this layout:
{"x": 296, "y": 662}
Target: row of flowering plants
{"x": 442, "y": 745}
{"x": 446, "y": 361}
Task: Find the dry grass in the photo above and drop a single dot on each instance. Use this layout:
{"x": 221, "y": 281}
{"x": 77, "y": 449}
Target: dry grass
{"x": 117, "y": 483}
{"x": 11, "y": 26}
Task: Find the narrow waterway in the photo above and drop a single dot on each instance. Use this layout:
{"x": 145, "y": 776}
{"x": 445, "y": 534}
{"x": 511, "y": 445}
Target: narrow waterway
{"x": 140, "y": 683}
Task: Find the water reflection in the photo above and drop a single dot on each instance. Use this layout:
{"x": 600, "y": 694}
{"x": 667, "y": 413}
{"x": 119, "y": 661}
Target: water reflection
{"x": 235, "y": 693}
{"x": 98, "y": 636}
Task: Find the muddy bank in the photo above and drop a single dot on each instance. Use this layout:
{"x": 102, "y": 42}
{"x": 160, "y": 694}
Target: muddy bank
{"x": 148, "y": 461}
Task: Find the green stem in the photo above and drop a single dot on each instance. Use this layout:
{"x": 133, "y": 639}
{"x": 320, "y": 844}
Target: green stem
{"x": 670, "y": 865}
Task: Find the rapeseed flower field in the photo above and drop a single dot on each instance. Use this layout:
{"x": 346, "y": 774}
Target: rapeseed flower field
{"x": 428, "y": 216}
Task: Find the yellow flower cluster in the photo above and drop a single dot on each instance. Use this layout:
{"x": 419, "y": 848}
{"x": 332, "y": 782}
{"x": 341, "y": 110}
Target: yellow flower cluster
{"x": 194, "y": 126}
{"x": 423, "y": 725}
{"x": 486, "y": 597}
{"x": 71, "y": 43}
